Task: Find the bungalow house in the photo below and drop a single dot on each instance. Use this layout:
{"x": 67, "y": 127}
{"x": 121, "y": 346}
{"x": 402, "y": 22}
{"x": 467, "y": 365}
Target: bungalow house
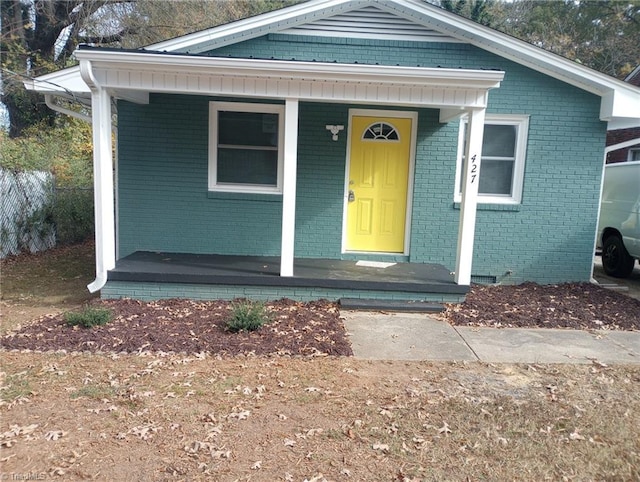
{"x": 378, "y": 149}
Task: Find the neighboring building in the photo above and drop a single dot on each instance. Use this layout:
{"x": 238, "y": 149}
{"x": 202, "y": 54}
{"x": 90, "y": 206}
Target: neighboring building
{"x": 624, "y": 135}
{"x": 338, "y": 131}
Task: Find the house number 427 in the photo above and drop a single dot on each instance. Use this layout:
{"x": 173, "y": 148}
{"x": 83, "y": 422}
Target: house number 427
{"x": 474, "y": 169}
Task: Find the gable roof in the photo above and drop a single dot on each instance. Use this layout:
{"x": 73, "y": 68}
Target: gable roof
{"x": 400, "y": 19}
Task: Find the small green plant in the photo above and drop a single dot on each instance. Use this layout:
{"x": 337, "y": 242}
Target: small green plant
{"x": 247, "y": 315}
{"x": 94, "y": 392}
{"x": 89, "y": 317}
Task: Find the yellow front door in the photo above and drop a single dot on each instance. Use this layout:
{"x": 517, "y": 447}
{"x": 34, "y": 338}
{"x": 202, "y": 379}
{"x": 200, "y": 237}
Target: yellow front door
{"x": 377, "y": 184}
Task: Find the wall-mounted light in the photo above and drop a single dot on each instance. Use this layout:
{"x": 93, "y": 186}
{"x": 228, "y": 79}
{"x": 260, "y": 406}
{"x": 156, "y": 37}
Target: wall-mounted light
{"x": 334, "y": 130}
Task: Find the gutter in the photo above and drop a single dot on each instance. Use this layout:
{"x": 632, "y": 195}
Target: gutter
{"x": 98, "y": 283}
{"x": 101, "y": 123}
{"x": 103, "y": 60}
{"x": 48, "y": 100}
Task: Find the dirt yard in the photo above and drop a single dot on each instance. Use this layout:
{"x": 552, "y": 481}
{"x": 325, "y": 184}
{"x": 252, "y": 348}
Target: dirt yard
{"x": 108, "y": 410}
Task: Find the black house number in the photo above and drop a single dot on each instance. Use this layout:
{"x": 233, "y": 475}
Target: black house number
{"x": 474, "y": 169}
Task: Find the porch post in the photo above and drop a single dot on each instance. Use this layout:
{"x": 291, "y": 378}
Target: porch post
{"x": 103, "y": 186}
{"x": 470, "y": 181}
{"x": 289, "y": 178}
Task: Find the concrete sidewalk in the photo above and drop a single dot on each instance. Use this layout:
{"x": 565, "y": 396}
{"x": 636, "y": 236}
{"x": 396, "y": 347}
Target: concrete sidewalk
{"x": 416, "y": 336}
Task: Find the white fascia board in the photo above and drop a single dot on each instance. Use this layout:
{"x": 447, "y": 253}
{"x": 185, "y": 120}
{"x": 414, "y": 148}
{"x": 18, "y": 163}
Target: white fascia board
{"x": 621, "y": 104}
{"x": 294, "y": 70}
{"x": 258, "y": 25}
{"x": 618, "y": 123}
{"x": 65, "y": 81}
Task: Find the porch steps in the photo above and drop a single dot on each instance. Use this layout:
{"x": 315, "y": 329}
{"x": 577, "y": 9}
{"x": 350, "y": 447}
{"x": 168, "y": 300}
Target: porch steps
{"x": 359, "y": 304}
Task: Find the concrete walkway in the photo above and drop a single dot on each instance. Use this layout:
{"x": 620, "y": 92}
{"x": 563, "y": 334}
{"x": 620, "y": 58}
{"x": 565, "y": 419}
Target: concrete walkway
{"x": 413, "y": 336}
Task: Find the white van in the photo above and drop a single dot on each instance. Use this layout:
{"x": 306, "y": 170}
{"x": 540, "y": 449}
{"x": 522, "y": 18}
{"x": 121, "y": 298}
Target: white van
{"x": 619, "y": 225}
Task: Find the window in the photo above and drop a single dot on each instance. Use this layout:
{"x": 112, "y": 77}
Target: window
{"x": 634, "y": 154}
{"x": 245, "y": 147}
{"x": 381, "y": 131}
{"x": 504, "y": 147}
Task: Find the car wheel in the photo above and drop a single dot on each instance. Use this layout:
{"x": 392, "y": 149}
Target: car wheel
{"x": 615, "y": 258}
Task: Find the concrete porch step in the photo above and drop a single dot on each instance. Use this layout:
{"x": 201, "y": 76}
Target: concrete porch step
{"x": 359, "y": 304}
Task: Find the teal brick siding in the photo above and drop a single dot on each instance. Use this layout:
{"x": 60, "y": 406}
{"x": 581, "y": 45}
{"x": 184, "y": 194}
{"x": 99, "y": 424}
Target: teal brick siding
{"x": 156, "y": 291}
{"x": 162, "y": 186}
{"x": 162, "y": 171}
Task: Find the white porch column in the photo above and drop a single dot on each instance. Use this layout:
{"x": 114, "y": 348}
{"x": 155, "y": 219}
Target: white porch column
{"x": 289, "y": 177}
{"x": 470, "y": 181}
{"x": 103, "y": 186}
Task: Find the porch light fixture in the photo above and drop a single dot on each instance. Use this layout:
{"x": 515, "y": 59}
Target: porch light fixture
{"x": 334, "y": 129}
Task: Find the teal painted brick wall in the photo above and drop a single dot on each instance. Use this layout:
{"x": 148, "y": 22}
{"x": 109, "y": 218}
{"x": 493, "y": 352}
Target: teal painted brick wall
{"x": 548, "y": 238}
{"x": 156, "y": 291}
{"x": 162, "y": 186}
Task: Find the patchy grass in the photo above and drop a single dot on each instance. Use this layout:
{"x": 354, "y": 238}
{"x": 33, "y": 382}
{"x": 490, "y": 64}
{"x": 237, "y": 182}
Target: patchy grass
{"x": 328, "y": 418}
{"x": 34, "y": 285}
{"x": 92, "y": 392}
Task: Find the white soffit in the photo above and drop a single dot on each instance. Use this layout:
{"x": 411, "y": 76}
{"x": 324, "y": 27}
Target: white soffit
{"x": 314, "y": 81}
{"x": 66, "y": 80}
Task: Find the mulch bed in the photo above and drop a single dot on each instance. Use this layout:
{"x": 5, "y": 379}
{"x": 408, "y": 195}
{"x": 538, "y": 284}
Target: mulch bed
{"x": 529, "y": 305}
{"x": 315, "y": 328}
{"x": 174, "y": 325}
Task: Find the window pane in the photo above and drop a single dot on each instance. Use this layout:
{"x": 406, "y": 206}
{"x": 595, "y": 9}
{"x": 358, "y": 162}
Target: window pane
{"x": 499, "y": 140}
{"x": 495, "y": 177}
{"x": 247, "y": 166}
{"x": 247, "y": 128}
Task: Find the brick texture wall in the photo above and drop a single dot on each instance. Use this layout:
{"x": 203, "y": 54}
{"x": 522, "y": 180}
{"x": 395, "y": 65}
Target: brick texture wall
{"x": 162, "y": 185}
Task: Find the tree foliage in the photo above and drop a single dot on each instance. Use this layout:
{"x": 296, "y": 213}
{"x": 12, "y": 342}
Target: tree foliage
{"x": 601, "y": 34}
{"x": 39, "y": 36}
{"x": 32, "y": 45}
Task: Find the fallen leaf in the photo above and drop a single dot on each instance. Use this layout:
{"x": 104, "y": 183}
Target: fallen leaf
{"x": 54, "y": 435}
{"x": 575, "y": 436}
{"x": 243, "y": 415}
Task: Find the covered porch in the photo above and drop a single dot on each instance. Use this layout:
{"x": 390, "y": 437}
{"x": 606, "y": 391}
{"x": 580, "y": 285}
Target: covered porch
{"x": 357, "y": 284}
{"x": 133, "y": 76}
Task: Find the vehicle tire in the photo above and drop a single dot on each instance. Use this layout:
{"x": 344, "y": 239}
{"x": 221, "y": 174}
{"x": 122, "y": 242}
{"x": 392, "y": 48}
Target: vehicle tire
{"x": 615, "y": 258}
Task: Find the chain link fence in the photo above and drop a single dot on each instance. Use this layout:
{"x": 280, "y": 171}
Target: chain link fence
{"x": 36, "y": 215}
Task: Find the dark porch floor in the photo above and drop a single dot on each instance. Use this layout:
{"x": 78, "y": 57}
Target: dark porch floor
{"x": 264, "y": 271}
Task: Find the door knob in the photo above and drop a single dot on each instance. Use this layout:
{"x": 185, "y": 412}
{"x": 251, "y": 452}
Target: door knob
{"x": 352, "y": 196}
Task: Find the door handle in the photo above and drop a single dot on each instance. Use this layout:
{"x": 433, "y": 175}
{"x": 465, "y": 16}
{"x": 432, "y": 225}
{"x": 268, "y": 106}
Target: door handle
{"x": 352, "y": 196}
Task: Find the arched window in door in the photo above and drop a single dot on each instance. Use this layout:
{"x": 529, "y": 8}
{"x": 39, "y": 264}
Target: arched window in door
{"x": 381, "y": 131}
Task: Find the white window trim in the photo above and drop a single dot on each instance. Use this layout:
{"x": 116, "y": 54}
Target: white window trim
{"x": 631, "y": 152}
{"x": 522, "y": 125}
{"x": 214, "y": 108}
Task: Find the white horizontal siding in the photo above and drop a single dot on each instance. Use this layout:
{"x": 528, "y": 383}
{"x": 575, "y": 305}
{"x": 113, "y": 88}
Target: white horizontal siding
{"x": 372, "y": 23}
